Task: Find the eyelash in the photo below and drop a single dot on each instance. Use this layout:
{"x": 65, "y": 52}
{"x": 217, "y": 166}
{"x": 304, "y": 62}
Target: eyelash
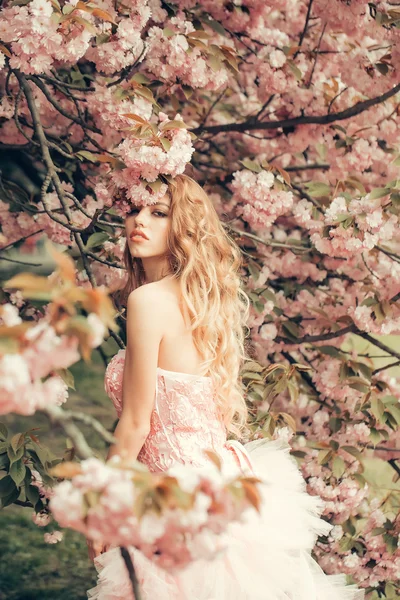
{"x": 155, "y": 212}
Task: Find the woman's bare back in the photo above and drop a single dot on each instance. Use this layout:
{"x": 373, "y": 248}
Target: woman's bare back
{"x": 177, "y": 350}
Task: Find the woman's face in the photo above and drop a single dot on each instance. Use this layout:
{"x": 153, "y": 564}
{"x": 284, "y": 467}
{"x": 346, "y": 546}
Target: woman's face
{"x": 154, "y": 222}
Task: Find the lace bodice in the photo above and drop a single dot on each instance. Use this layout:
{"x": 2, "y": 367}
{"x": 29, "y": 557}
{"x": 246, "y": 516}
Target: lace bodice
{"x": 185, "y": 420}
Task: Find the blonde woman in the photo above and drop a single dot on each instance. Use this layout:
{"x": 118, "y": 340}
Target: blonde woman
{"x": 177, "y": 393}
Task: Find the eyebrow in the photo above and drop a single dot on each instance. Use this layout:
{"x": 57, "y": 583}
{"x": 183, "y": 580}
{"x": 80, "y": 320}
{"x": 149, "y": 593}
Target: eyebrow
{"x": 163, "y": 203}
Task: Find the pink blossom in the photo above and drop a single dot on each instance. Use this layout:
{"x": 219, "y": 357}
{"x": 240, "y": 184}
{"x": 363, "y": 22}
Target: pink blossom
{"x": 258, "y": 203}
{"x": 53, "y": 538}
{"x": 41, "y": 519}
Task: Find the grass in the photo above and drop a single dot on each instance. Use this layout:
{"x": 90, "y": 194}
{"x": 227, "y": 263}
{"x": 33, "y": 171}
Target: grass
{"x": 30, "y": 569}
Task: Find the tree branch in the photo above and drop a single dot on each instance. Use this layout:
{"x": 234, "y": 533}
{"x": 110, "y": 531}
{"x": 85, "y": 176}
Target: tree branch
{"x": 352, "y": 111}
{"x": 58, "y": 106}
{"x": 60, "y": 417}
{"x": 378, "y": 343}
{"x": 323, "y": 337}
{"x": 92, "y": 422}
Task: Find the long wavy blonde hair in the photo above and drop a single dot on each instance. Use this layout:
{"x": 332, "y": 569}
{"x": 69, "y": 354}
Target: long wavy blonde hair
{"x": 207, "y": 263}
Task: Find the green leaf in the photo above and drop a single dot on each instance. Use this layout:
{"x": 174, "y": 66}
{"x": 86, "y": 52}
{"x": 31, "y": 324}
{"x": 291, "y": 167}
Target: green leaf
{"x": 375, "y": 436}
{"x": 253, "y": 366}
{"x": 32, "y": 493}
{"x": 377, "y": 408}
{"x": 324, "y": 456}
{"x": 335, "y": 424}
{"x": 6, "y": 486}
{"x": 391, "y": 542}
{"x": 168, "y": 32}
{"x": 360, "y": 386}
{"x": 14, "y": 456}
{"x": 42, "y": 454}
{"x": 4, "y": 462}
{"x": 155, "y": 185}
{"x": 17, "y": 472}
{"x": 3, "y": 432}
{"x": 395, "y": 411}
{"x": 365, "y": 370}
{"x": 291, "y": 329}
{"x": 269, "y": 295}
{"x": 216, "y": 26}
{"x": 17, "y": 441}
{"x": 295, "y": 70}
{"x": 330, "y": 351}
{"x": 338, "y": 467}
{"x": 141, "y": 78}
{"x": 166, "y": 144}
{"x": 379, "y": 193}
{"x": 252, "y": 165}
{"x": 97, "y": 239}
{"x": 67, "y": 377}
{"x": 317, "y": 189}
{"x": 11, "y": 498}
{"x": 145, "y": 93}
{"x": 87, "y": 155}
{"x": 353, "y": 451}
{"x": 187, "y": 91}
{"x": 175, "y": 124}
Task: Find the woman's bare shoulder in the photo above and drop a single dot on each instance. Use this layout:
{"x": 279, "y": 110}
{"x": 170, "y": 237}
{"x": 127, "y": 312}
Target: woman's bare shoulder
{"x": 154, "y": 294}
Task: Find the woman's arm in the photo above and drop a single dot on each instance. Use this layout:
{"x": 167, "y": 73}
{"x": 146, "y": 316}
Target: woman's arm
{"x": 144, "y": 333}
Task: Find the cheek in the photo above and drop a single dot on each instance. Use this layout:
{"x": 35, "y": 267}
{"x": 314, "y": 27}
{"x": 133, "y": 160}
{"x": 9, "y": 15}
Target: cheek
{"x": 128, "y": 225}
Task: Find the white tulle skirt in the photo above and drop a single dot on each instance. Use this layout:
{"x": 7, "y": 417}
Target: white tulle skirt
{"x": 268, "y": 557}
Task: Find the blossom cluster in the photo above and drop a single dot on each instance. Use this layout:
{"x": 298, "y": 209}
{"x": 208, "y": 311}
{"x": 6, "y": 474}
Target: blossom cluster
{"x": 258, "y": 201}
{"x": 119, "y": 506}
{"x": 164, "y": 152}
{"x": 22, "y": 389}
{"x": 354, "y": 226}
{"x": 174, "y": 54}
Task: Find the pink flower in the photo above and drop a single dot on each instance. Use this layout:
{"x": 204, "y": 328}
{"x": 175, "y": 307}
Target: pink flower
{"x": 41, "y": 519}
{"x": 53, "y": 538}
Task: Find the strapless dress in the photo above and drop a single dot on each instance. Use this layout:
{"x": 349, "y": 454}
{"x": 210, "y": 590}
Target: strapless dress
{"x": 269, "y": 554}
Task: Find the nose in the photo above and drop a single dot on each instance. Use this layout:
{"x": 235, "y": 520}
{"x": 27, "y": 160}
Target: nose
{"x": 139, "y": 218}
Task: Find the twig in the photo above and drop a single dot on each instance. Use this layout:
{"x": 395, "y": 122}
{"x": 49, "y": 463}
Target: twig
{"x": 378, "y": 343}
{"x": 395, "y": 364}
{"x": 316, "y": 56}
{"x": 58, "y": 106}
{"x": 307, "y": 167}
{"x": 394, "y": 465}
{"x": 304, "y": 32}
{"x": 131, "y": 571}
{"x": 20, "y": 240}
{"x": 103, "y": 261}
{"x": 52, "y": 175}
{"x": 317, "y": 338}
{"x": 20, "y": 262}
{"x": 268, "y": 242}
{"x": 89, "y": 420}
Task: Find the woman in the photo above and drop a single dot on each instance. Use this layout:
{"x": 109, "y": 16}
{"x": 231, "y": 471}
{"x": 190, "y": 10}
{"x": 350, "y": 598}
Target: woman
{"x": 177, "y": 393}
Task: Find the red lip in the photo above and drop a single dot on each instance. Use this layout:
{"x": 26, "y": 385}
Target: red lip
{"x": 138, "y": 232}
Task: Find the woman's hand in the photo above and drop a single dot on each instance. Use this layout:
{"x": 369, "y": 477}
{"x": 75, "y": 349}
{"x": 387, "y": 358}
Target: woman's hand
{"x": 96, "y": 548}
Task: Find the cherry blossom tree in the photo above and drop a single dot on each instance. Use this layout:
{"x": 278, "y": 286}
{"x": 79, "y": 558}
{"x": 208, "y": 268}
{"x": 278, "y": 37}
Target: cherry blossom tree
{"x": 287, "y": 113}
